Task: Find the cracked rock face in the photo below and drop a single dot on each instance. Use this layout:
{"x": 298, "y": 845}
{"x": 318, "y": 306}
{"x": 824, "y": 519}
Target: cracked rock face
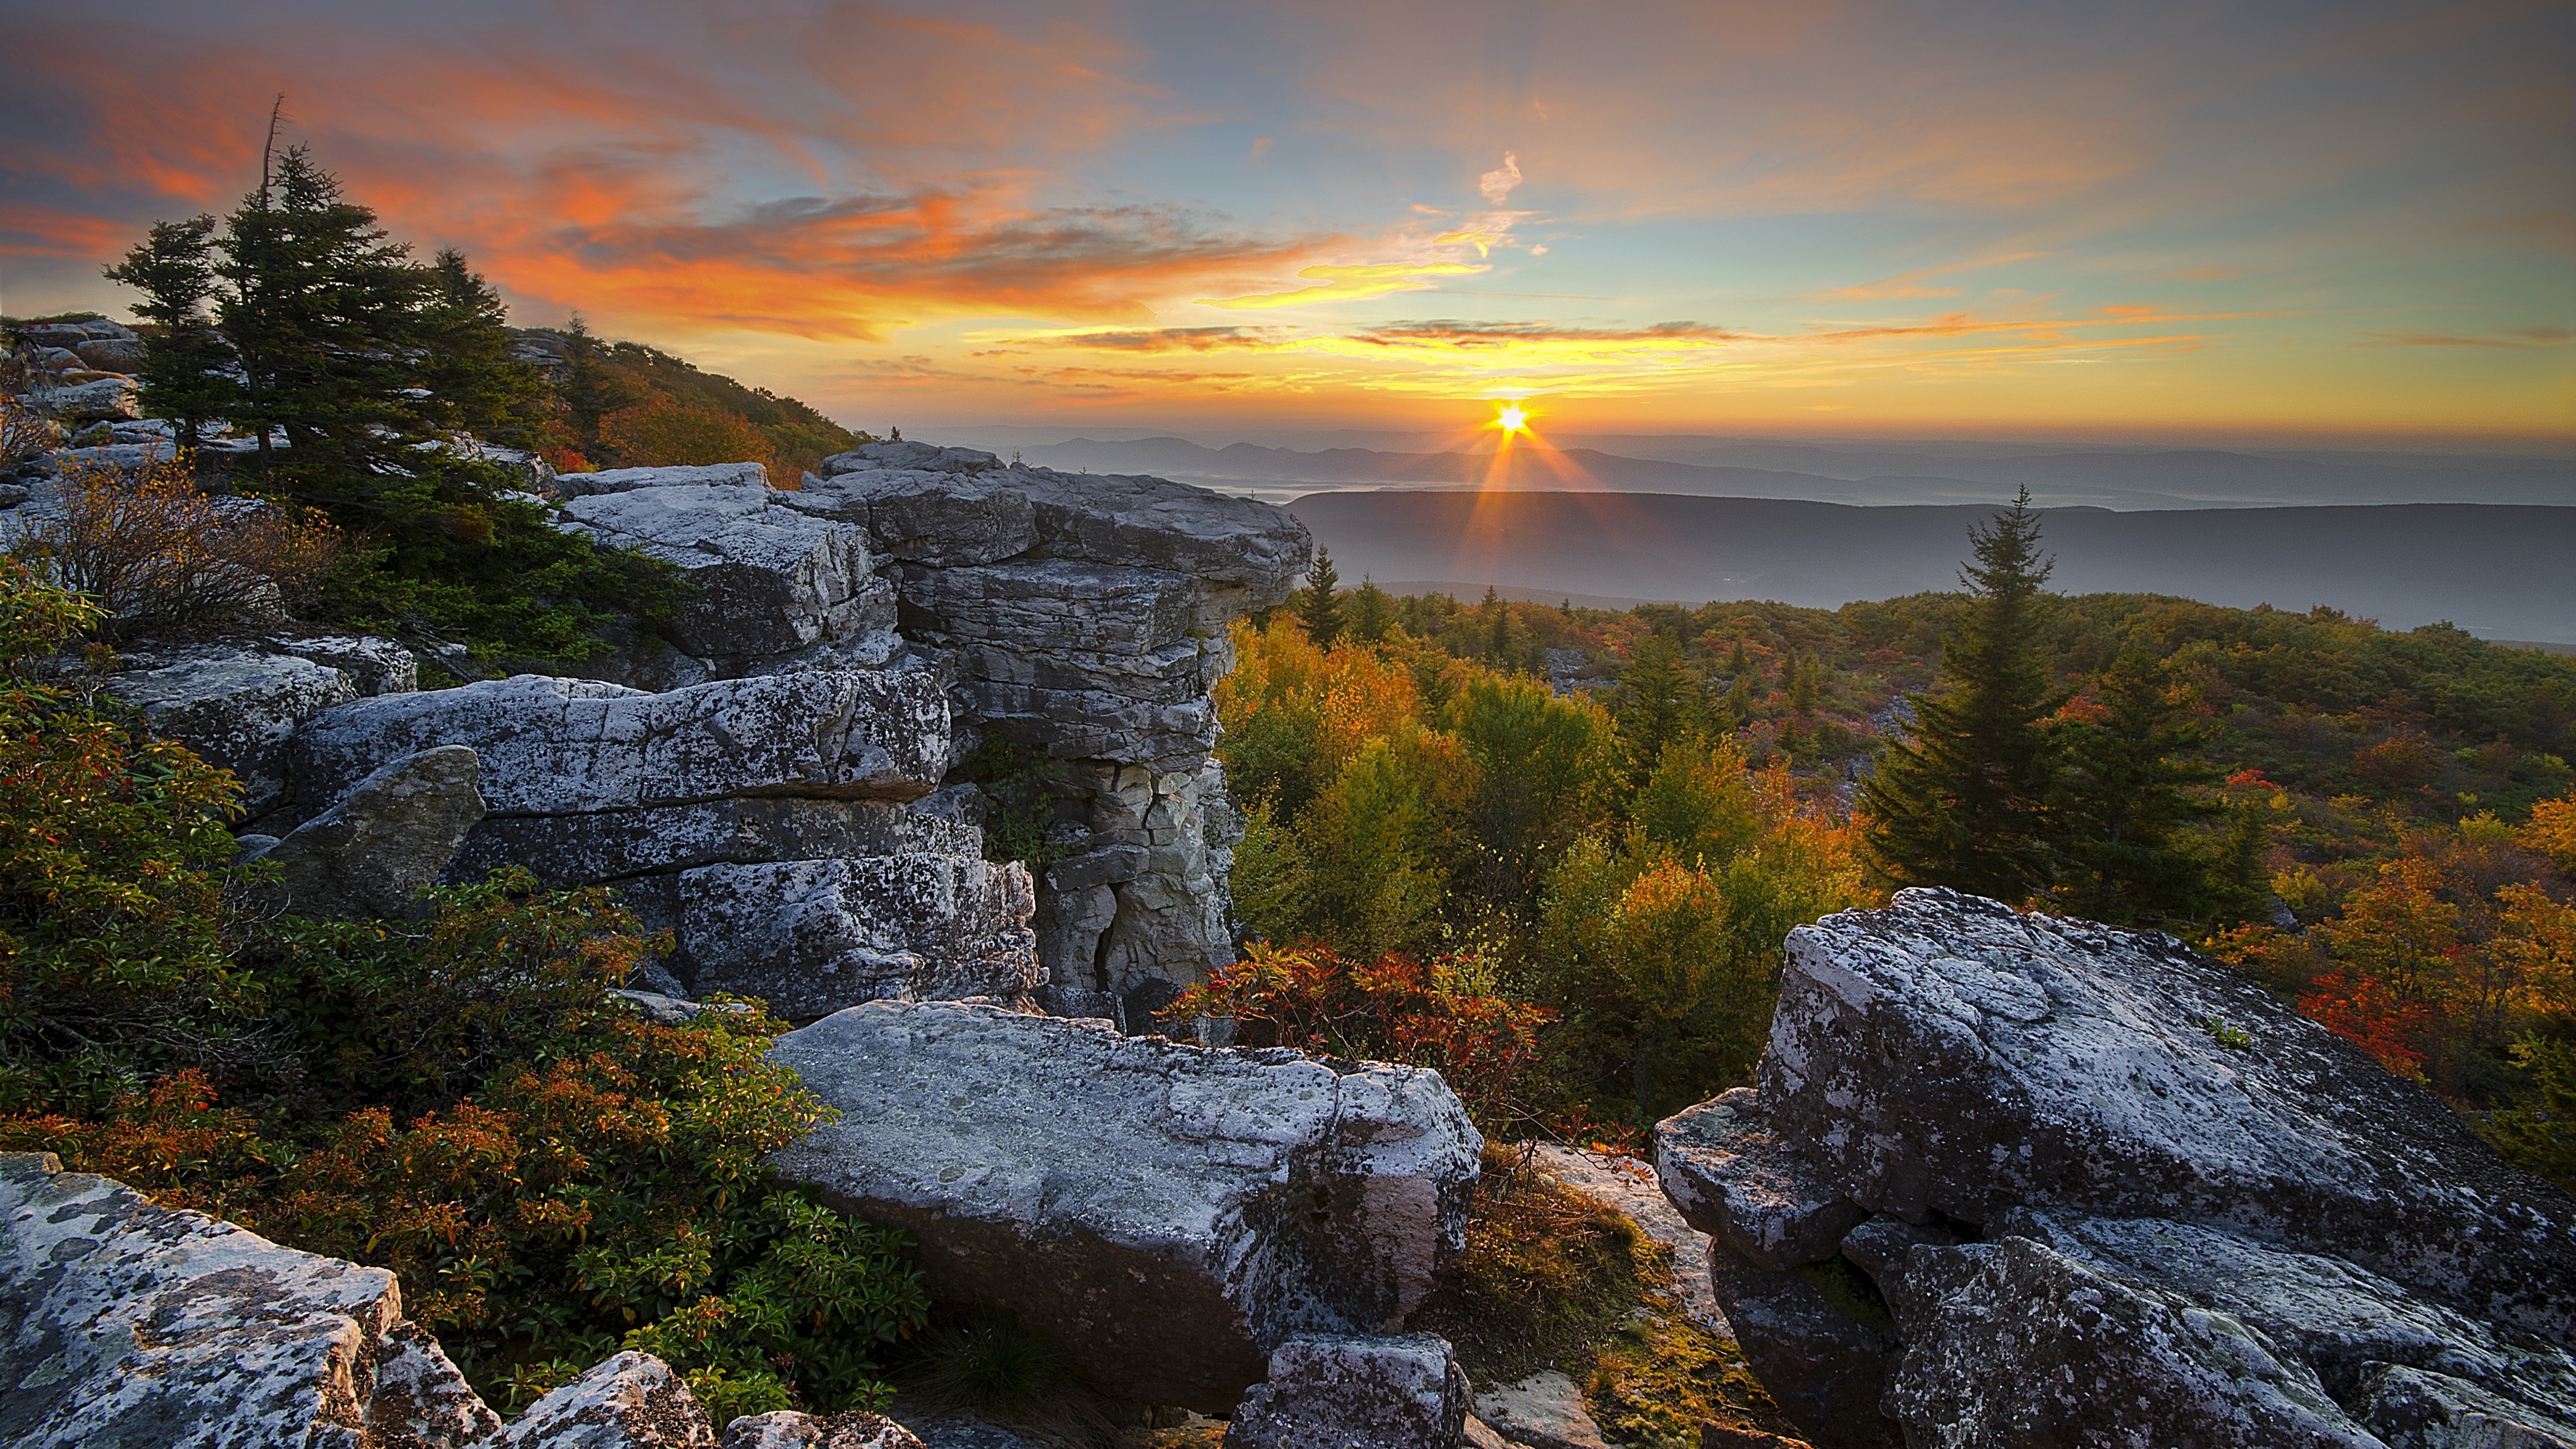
{"x": 569, "y": 746}
{"x": 813, "y": 936}
{"x": 2008, "y": 1180}
{"x": 774, "y": 587}
{"x": 1172, "y": 1213}
{"x": 124, "y": 1323}
{"x": 626, "y": 1401}
{"x": 392, "y": 834}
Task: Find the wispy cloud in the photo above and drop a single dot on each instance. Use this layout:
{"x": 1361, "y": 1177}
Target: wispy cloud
{"x": 1498, "y": 183}
{"x": 1352, "y": 283}
{"x": 2515, "y": 337}
{"x": 1911, "y": 284}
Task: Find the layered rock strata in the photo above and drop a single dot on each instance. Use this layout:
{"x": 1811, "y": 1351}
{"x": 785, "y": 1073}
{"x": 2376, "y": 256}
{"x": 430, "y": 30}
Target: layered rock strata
{"x": 2008, "y": 1180}
{"x": 1173, "y": 1213}
{"x": 1084, "y": 619}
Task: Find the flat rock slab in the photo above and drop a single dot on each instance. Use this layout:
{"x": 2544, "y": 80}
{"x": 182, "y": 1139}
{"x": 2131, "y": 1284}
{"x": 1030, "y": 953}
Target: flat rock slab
{"x": 810, "y": 937}
{"x": 1543, "y": 1411}
{"x": 629, "y": 480}
{"x": 125, "y": 1323}
{"x": 1171, "y": 1213}
{"x": 571, "y": 746}
{"x": 1948, "y": 1054}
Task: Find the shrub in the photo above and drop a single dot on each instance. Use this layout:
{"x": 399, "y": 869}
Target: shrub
{"x": 661, "y": 432}
{"x": 24, "y": 433}
{"x": 156, "y": 550}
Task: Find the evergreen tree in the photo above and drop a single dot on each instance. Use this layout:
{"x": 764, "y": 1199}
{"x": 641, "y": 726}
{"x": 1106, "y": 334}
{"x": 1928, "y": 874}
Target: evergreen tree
{"x": 477, "y": 387}
{"x": 2121, "y": 805}
{"x": 1372, "y": 612}
{"x": 1498, "y": 627}
{"x": 321, "y": 311}
{"x": 1806, "y": 675}
{"x": 183, "y": 377}
{"x": 1316, "y": 605}
{"x": 1962, "y": 800}
{"x": 1655, "y": 707}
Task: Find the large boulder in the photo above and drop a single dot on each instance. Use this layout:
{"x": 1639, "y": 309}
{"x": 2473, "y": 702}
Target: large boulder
{"x": 771, "y": 587}
{"x": 629, "y": 480}
{"x": 1350, "y": 1391}
{"x": 97, "y": 400}
{"x": 111, "y": 354}
{"x": 2009, "y": 1180}
{"x": 569, "y": 746}
{"x": 239, "y": 708}
{"x": 813, "y": 936}
{"x": 125, "y": 1323}
{"x": 1173, "y": 1213}
{"x": 374, "y": 849}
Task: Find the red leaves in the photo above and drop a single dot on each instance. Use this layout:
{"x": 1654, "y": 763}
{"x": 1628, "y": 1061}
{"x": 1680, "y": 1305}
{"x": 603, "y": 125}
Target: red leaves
{"x": 2360, "y": 1009}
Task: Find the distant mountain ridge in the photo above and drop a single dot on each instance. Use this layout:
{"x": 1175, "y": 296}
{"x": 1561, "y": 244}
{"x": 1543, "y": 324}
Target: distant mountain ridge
{"x": 2500, "y": 571}
{"x": 2170, "y": 479}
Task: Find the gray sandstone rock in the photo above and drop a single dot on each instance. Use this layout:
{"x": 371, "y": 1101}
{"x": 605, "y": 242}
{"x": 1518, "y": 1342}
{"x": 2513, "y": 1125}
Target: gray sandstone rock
{"x": 1741, "y": 1183}
{"x": 568, "y": 746}
{"x": 768, "y": 580}
{"x": 1172, "y": 1213}
{"x": 375, "y": 666}
{"x": 238, "y": 708}
{"x": 627, "y": 1401}
{"x": 97, "y": 400}
{"x": 1341, "y": 1391}
{"x": 125, "y": 1323}
{"x": 111, "y": 354}
{"x": 932, "y": 518}
{"x": 2092, "y": 1217}
{"x": 614, "y": 845}
{"x": 2062, "y": 1065}
{"x": 391, "y": 835}
{"x": 787, "y": 1429}
{"x": 813, "y": 936}
{"x": 629, "y": 480}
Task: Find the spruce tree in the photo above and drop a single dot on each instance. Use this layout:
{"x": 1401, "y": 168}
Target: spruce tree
{"x": 2121, "y": 805}
{"x": 477, "y": 387}
{"x": 1317, "y": 606}
{"x": 184, "y": 359}
{"x": 321, "y": 310}
{"x": 1963, "y": 798}
{"x": 1372, "y": 612}
{"x": 1655, "y": 707}
{"x": 1498, "y": 627}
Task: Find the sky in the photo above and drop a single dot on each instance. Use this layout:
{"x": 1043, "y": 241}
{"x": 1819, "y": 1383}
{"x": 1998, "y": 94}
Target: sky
{"x": 2178, "y": 221}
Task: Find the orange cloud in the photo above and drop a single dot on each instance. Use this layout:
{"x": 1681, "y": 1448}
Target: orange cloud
{"x": 1349, "y": 284}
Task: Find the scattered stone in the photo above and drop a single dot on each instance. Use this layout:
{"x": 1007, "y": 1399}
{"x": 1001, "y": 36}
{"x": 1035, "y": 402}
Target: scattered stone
{"x": 813, "y": 936}
{"x": 2005, "y": 1180}
{"x": 1543, "y": 1411}
{"x": 786, "y": 1429}
{"x": 1342, "y": 1391}
{"x": 1729, "y": 1436}
{"x": 571, "y": 746}
{"x": 390, "y": 836}
{"x": 126, "y": 1323}
{"x": 238, "y": 708}
{"x": 626, "y": 1401}
{"x": 1173, "y": 1213}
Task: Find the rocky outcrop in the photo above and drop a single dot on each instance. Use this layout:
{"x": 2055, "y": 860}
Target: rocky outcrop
{"x": 1173, "y": 1213}
{"x": 391, "y": 835}
{"x": 2008, "y": 1180}
{"x": 1355, "y": 1392}
{"x": 1084, "y": 619}
{"x": 125, "y": 1323}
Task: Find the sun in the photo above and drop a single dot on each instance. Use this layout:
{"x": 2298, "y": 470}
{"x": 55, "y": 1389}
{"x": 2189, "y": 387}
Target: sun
{"x": 1512, "y": 419}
